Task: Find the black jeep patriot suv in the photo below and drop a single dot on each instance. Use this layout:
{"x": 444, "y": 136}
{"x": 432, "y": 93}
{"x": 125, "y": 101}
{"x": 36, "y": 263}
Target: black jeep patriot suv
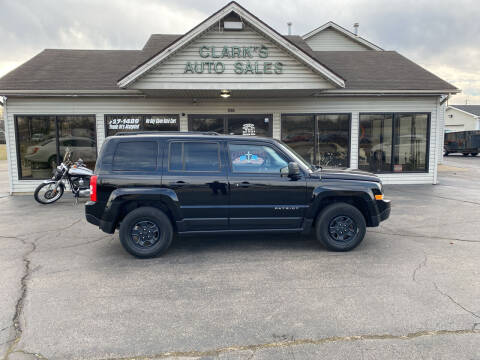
{"x": 150, "y": 185}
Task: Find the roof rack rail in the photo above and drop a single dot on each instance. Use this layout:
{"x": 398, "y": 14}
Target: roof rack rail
{"x": 126, "y": 133}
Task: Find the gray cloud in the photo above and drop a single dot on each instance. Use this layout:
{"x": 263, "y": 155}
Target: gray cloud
{"x": 442, "y": 35}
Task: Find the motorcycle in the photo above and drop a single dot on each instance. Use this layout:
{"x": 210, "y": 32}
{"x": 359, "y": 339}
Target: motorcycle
{"x": 76, "y": 174}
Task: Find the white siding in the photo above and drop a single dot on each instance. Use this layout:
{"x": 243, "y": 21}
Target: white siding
{"x": 460, "y": 120}
{"x": 138, "y": 105}
{"x": 332, "y": 40}
{"x": 171, "y": 73}
{"x": 354, "y": 140}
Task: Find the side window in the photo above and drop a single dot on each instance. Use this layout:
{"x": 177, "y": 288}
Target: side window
{"x": 255, "y": 159}
{"x": 194, "y": 156}
{"x": 135, "y": 156}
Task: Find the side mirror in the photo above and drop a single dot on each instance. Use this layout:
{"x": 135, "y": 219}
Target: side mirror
{"x": 292, "y": 170}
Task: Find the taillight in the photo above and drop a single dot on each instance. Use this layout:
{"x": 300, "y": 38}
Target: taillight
{"x": 93, "y": 188}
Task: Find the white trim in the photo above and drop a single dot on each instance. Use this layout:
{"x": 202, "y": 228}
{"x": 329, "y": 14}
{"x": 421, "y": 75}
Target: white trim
{"x": 343, "y": 31}
{"x": 8, "y": 143}
{"x": 245, "y": 15}
{"x": 463, "y": 111}
{"x": 439, "y": 133}
{"x": 380, "y": 92}
{"x": 245, "y": 86}
{"x": 70, "y": 92}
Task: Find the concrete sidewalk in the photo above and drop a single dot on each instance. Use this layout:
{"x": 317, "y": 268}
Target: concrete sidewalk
{"x": 4, "y": 184}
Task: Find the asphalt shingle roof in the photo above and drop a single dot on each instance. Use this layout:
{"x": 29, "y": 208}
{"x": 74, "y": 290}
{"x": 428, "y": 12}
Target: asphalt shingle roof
{"x": 472, "y": 109}
{"x": 101, "y": 69}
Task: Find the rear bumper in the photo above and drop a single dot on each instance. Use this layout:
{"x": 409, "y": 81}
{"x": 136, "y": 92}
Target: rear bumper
{"x": 384, "y": 208}
{"x": 92, "y": 214}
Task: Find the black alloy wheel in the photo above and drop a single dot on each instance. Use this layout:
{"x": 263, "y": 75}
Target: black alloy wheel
{"x": 340, "y": 227}
{"x": 146, "y": 232}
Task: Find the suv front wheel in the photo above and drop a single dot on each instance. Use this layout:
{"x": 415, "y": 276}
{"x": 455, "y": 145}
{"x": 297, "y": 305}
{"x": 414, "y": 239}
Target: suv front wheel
{"x": 146, "y": 232}
{"x": 340, "y": 227}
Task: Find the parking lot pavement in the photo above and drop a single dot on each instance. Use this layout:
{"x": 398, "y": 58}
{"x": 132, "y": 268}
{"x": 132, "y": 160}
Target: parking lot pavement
{"x": 410, "y": 291}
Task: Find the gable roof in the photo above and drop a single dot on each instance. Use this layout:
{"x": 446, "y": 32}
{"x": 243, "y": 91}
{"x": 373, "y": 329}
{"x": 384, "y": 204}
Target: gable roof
{"x": 471, "y": 109}
{"x": 343, "y": 31}
{"x": 72, "y": 70}
{"x": 158, "y": 42}
{"x": 381, "y": 70}
{"x": 256, "y": 23}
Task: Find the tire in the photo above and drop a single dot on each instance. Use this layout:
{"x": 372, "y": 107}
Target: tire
{"x": 445, "y": 152}
{"x": 42, "y": 199}
{"x": 474, "y": 154}
{"x": 154, "y": 232}
{"x": 465, "y": 154}
{"x": 332, "y": 219}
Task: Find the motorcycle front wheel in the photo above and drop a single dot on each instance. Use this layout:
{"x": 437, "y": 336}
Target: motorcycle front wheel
{"x": 45, "y": 193}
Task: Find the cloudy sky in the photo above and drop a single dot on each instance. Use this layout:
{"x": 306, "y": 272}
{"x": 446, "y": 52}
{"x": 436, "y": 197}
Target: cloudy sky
{"x": 442, "y": 35}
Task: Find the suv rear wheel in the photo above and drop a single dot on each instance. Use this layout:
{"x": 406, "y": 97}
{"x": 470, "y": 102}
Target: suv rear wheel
{"x": 146, "y": 232}
{"x": 340, "y": 227}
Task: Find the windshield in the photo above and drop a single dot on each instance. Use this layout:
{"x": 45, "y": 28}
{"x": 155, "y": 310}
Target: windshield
{"x": 298, "y": 158}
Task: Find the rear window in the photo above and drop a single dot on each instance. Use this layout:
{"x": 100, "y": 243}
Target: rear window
{"x": 194, "y": 156}
{"x": 135, "y": 156}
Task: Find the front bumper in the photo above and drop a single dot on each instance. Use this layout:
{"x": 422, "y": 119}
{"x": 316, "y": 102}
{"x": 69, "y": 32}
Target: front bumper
{"x": 384, "y": 208}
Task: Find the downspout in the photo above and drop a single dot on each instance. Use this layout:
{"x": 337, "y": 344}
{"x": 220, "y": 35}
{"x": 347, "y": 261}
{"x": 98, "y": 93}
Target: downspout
{"x": 8, "y": 142}
{"x": 440, "y": 131}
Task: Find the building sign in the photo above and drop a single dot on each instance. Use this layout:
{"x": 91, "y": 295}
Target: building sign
{"x": 250, "y": 60}
{"x": 123, "y": 123}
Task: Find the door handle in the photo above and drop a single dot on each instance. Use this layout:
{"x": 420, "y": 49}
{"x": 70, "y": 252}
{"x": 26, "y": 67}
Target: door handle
{"x": 243, "y": 184}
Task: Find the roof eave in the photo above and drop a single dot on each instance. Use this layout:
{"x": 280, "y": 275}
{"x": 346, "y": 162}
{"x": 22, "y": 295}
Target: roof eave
{"x": 377, "y": 92}
{"x": 119, "y": 92}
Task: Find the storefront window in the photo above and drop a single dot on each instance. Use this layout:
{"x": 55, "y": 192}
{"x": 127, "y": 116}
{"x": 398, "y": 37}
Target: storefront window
{"x": 252, "y": 125}
{"x": 248, "y": 124}
{"x": 298, "y": 133}
{"x": 375, "y": 142}
{"x": 128, "y": 123}
{"x": 393, "y": 142}
{"x": 333, "y": 144}
{"x": 410, "y": 144}
{"x": 42, "y": 140}
{"x": 321, "y": 139}
{"x": 214, "y": 123}
{"x": 78, "y": 134}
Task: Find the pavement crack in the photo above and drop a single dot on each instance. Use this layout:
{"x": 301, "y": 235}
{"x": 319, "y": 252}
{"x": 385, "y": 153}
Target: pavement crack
{"x": 294, "y": 342}
{"x": 21, "y": 299}
{"x": 455, "y": 302}
{"x": 424, "y": 236}
{"x": 36, "y": 355}
{"x": 419, "y": 266}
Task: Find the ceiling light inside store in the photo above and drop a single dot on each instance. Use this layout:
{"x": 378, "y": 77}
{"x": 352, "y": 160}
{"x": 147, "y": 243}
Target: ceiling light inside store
{"x": 225, "y": 94}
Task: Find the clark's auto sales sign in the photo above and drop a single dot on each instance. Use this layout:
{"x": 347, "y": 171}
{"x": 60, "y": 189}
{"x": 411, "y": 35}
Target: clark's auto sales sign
{"x": 250, "y": 60}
